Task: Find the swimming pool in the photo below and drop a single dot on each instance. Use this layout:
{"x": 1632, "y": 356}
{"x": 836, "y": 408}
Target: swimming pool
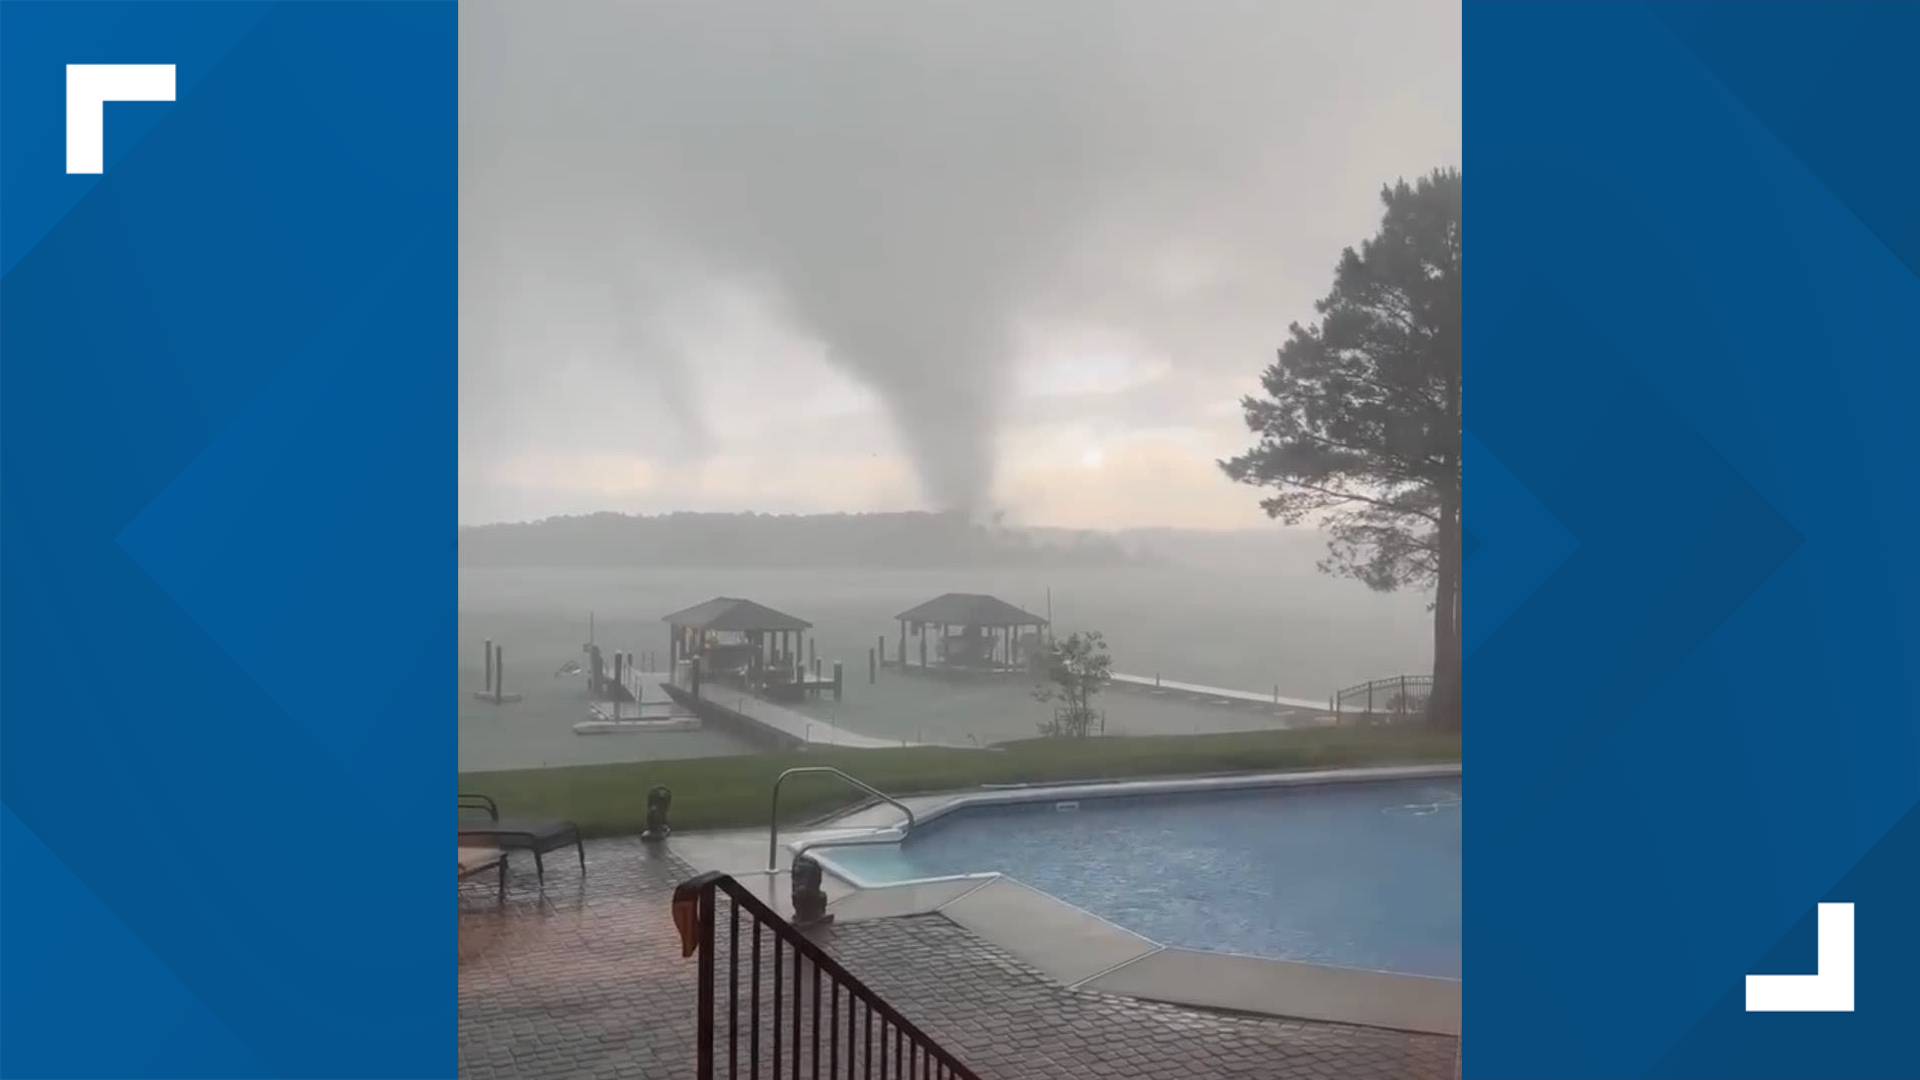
{"x": 1361, "y": 875}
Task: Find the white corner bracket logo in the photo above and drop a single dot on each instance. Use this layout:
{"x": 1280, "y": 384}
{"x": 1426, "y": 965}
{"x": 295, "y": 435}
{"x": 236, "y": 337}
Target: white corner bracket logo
{"x": 89, "y": 88}
{"x": 1829, "y": 989}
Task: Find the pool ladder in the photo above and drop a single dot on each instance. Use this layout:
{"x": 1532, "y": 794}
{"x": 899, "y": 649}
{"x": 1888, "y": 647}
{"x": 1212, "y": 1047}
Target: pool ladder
{"x": 773, "y": 829}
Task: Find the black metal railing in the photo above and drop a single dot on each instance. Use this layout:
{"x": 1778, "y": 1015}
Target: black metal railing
{"x": 772, "y": 1003}
{"x": 1402, "y": 696}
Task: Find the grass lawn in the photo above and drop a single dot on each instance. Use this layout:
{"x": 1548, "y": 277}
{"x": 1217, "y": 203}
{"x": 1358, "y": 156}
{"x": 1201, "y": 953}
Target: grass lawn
{"x": 735, "y": 792}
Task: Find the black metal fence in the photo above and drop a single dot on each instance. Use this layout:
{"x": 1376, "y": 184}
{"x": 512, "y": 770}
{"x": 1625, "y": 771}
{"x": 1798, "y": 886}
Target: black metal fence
{"x": 772, "y": 1003}
{"x": 1399, "y": 698}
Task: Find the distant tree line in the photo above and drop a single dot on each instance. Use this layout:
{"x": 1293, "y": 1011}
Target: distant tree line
{"x": 899, "y": 540}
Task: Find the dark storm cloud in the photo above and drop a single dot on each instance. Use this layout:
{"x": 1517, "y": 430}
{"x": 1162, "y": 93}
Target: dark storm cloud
{"x": 908, "y": 180}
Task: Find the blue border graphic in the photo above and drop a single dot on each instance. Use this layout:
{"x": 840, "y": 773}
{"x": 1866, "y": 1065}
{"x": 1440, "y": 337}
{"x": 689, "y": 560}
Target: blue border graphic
{"x": 227, "y": 438}
{"x": 1693, "y": 327}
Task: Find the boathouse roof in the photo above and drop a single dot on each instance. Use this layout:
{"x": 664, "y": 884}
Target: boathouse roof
{"x": 730, "y": 613}
{"x": 970, "y": 609}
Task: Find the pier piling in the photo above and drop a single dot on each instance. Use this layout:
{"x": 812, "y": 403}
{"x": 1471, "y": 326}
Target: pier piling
{"x": 836, "y": 680}
{"x": 499, "y": 672}
{"x": 488, "y": 685}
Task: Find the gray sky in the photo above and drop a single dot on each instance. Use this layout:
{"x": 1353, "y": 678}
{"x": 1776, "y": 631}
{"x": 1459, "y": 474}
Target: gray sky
{"x": 1006, "y": 256}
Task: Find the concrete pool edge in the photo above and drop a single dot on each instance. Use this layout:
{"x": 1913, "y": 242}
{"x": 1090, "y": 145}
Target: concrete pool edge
{"x": 1082, "y": 951}
{"x": 820, "y": 839}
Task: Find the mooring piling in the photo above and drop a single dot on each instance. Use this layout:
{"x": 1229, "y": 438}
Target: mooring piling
{"x": 499, "y": 672}
{"x": 873, "y": 666}
{"x": 488, "y": 685}
{"x": 836, "y": 680}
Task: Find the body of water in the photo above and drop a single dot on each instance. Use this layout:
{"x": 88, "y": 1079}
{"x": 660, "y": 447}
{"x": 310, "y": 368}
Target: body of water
{"x": 1291, "y": 627}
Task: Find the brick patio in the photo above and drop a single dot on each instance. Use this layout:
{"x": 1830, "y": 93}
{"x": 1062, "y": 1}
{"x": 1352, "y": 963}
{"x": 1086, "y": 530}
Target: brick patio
{"x": 587, "y": 981}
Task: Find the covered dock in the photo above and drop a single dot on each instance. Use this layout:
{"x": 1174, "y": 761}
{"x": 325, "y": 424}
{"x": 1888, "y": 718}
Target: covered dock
{"x": 971, "y": 632}
{"x": 732, "y": 639}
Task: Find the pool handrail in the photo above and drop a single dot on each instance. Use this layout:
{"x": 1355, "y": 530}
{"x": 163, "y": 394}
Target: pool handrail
{"x": 773, "y": 830}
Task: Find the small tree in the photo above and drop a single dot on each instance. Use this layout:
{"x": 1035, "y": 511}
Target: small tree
{"x": 1077, "y": 667}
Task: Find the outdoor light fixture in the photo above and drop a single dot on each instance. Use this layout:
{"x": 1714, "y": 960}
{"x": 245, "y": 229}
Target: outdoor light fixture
{"x": 809, "y": 899}
{"x": 659, "y": 800}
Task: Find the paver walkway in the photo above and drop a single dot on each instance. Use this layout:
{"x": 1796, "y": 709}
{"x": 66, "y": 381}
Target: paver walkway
{"x": 587, "y": 981}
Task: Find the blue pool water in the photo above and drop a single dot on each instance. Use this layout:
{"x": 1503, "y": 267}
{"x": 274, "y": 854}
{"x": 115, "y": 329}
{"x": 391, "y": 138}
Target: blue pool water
{"x": 1354, "y": 875}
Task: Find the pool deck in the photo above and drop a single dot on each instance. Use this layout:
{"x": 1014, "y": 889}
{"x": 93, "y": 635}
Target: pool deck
{"x": 585, "y": 979}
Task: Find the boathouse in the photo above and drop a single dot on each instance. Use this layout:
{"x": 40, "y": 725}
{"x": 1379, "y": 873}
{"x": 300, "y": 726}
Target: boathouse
{"x": 971, "y": 632}
{"x": 741, "y": 641}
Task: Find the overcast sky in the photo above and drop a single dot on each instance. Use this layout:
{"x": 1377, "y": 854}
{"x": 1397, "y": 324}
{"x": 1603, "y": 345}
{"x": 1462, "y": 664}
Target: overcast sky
{"x": 1002, "y": 255}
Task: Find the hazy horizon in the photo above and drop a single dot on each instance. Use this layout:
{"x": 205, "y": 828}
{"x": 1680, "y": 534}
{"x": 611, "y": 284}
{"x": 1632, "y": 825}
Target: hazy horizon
{"x": 1261, "y": 526}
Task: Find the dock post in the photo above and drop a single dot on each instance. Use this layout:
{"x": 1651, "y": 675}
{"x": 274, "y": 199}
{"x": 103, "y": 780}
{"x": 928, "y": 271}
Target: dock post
{"x": 488, "y": 688}
{"x": 499, "y": 672}
{"x": 816, "y": 667}
{"x": 813, "y": 655}
{"x": 873, "y": 666}
{"x": 923, "y": 646}
{"x": 881, "y": 650}
{"x": 836, "y": 680}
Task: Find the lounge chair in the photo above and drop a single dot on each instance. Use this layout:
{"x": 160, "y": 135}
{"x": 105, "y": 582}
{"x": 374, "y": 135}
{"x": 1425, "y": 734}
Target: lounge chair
{"x": 478, "y": 860}
{"x": 536, "y": 835}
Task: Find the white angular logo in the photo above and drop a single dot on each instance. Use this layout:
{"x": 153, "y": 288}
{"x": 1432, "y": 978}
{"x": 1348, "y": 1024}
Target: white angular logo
{"x": 1828, "y": 989}
{"x": 89, "y": 88}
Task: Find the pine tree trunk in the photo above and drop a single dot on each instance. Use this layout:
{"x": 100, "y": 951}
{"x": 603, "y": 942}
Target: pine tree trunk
{"x": 1446, "y": 701}
{"x": 1443, "y": 704}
